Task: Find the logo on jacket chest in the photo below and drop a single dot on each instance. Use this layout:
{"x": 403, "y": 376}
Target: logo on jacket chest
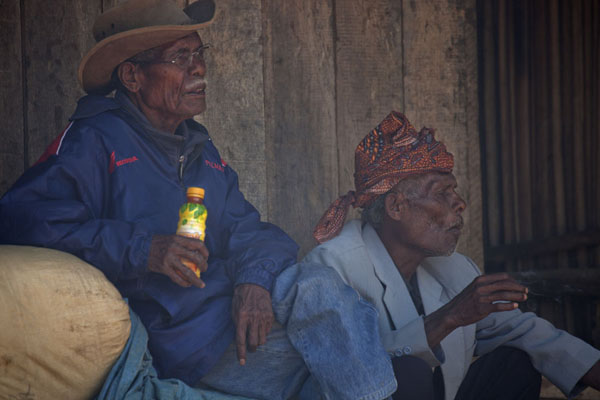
{"x": 118, "y": 163}
{"x": 217, "y": 166}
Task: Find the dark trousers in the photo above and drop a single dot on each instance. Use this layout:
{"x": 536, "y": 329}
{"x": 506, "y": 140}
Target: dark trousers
{"x": 504, "y": 374}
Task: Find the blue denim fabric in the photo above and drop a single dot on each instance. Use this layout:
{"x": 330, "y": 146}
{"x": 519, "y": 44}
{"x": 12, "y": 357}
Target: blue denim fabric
{"x": 326, "y": 345}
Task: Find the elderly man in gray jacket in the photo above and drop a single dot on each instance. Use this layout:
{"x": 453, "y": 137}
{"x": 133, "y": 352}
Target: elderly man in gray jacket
{"x": 436, "y": 311}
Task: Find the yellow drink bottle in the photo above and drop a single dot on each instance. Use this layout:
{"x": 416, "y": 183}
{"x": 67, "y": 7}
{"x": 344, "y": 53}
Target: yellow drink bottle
{"x": 192, "y": 220}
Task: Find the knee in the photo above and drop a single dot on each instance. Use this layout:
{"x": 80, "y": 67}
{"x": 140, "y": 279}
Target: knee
{"x": 306, "y": 282}
{"x": 519, "y": 363}
{"x": 308, "y": 278}
{"x": 414, "y": 377}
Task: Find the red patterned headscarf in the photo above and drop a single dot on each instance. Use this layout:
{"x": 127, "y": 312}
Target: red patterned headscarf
{"x": 389, "y": 153}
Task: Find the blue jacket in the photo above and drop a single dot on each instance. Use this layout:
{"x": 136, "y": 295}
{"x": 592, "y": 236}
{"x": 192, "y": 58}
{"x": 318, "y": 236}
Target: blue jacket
{"x": 107, "y": 185}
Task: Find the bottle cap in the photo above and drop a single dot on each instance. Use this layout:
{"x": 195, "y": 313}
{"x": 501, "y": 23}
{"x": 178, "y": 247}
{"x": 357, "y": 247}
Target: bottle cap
{"x": 195, "y": 192}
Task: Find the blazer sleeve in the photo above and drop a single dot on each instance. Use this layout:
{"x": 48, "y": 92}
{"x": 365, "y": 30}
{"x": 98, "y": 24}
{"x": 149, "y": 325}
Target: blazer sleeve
{"x": 559, "y": 356}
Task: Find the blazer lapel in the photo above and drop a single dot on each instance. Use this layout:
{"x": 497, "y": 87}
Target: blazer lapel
{"x": 435, "y": 296}
{"x": 396, "y": 298}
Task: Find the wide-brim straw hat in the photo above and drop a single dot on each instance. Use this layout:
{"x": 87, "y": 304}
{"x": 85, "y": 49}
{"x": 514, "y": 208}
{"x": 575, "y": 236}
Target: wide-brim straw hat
{"x": 135, "y": 26}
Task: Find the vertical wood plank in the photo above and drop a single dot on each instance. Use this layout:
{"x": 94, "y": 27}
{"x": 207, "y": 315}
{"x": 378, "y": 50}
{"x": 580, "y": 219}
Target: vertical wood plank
{"x": 468, "y": 114}
{"x": 235, "y": 97}
{"x": 302, "y": 175}
{"x": 368, "y": 72}
{"x": 557, "y": 133}
{"x": 440, "y": 91}
{"x": 11, "y": 98}
{"x": 543, "y": 208}
{"x": 507, "y": 138}
{"x": 107, "y": 4}
{"x": 489, "y": 125}
{"x": 567, "y": 95}
{"x": 595, "y": 12}
{"x": 579, "y": 118}
{"x": 589, "y": 135}
{"x": 523, "y": 121}
{"x": 58, "y": 35}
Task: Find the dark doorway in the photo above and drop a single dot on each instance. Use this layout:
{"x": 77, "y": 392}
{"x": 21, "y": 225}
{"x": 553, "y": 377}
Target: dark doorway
{"x": 539, "y": 80}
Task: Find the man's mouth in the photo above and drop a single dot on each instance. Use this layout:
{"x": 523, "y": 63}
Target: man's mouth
{"x": 457, "y": 227}
{"x": 199, "y": 90}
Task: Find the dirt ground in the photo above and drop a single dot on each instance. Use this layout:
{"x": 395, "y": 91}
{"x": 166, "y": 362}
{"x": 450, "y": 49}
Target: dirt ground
{"x": 551, "y": 392}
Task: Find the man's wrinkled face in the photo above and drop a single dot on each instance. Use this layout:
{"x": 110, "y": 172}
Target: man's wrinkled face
{"x": 173, "y": 92}
{"x": 431, "y": 219}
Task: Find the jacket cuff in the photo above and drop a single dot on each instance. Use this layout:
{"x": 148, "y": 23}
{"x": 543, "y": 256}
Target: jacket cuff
{"x": 567, "y": 380}
{"x": 411, "y": 339}
{"x": 257, "y": 274}
{"x": 139, "y": 253}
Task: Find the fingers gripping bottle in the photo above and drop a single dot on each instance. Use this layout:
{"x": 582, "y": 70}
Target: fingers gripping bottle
{"x": 192, "y": 220}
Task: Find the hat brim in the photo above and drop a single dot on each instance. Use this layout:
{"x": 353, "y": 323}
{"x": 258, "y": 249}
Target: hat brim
{"x": 97, "y": 66}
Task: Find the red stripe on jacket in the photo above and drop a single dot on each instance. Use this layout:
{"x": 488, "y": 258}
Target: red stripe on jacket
{"x": 54, "y": 147}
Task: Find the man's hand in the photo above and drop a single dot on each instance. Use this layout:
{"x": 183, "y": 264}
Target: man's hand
{"x": 592, "y": 377}
{"x": 485, "y": 295}
{"x": 253, "y": 318}
{"x": 166, "y": 252}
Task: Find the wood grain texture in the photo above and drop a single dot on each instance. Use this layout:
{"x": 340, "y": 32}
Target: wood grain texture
{"x": 440, "y": 78}
{"x": 235, "y": 96}
{"x": 369, "y": 79}
{"x": 301, "y": 146}
{"x": 11, "y": 95}
{"x": 489, "y": 127}
{"x": 523, "y": 127}
{"x": 507, "y": 138}
{"x": 58, "y": 35}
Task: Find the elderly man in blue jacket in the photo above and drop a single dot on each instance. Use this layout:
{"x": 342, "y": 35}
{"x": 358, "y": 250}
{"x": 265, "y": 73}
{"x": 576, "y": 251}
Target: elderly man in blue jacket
{"x": 109, "y": 188}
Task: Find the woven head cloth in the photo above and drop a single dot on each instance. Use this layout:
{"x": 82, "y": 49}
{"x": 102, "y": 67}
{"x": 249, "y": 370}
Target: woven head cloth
{"x": 389, "y": 153}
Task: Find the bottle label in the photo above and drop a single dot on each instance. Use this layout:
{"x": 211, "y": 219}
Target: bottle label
{"x": 192, "y": 221}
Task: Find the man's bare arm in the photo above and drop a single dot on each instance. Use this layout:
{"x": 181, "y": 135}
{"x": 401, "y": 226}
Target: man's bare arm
{"x": 592, "y": 377}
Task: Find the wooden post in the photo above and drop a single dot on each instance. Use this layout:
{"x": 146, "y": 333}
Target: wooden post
{"x": 235, "y": 98}
{"x": 64, "y": 28}
{"x": 11, "y": 102}
{"x": 369, "y": 74}
{"x": 301, "y": 143}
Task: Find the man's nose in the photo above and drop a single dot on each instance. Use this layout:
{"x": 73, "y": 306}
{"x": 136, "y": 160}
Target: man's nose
{"x": 459, "y": 203}
{"x": 197, "y": 67}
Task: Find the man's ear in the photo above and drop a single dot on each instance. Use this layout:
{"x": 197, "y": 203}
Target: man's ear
{"x": 129, "y": 75}
{"x": 395, "y": 204}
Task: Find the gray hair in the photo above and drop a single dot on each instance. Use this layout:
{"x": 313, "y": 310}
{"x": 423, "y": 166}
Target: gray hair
{"x": 374, "y": 212}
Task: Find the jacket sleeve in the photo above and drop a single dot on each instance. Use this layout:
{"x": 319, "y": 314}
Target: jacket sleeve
{"x": 559, "y": 356}
{"x": 256, "y": 251}
{"x": 60, "y": 204}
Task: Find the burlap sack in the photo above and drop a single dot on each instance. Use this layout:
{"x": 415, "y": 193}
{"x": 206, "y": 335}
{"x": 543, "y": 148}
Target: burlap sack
{"x": 62, "y": 325}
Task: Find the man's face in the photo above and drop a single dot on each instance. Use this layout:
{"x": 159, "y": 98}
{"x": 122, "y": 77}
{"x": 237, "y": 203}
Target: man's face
{"x": 170, "y": 91}
{"x": 431, "y": 219}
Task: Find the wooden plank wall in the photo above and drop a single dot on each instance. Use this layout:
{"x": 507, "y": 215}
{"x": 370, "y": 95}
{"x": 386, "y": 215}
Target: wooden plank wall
{"x": 12, "y": 143}
{"x": 293, "y": 86}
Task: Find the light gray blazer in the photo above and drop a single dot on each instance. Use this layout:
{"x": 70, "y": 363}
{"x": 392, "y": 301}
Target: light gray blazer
{"x": 362, "y": 261}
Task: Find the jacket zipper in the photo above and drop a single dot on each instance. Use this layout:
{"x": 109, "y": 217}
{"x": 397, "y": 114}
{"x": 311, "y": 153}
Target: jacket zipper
{"x": 181, "y": 160}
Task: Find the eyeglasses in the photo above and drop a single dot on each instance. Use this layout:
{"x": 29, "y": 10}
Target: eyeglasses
{"x": 185, "y": 59}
